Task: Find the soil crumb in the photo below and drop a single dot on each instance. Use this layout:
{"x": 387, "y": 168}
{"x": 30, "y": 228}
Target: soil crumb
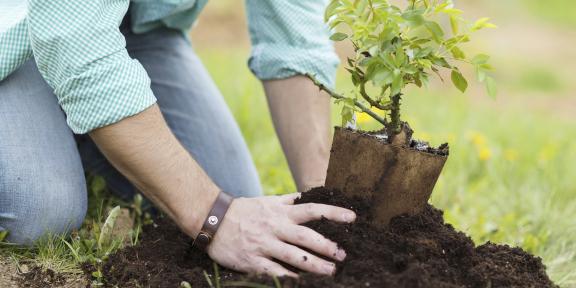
{"x": 36, "y": 277}
{"x": 414, "y": 251}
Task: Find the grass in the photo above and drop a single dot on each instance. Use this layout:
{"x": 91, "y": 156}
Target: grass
{"x": 92, "y": 244}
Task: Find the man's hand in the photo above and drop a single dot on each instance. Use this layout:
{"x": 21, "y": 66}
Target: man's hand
{"x": 257, "y": 230}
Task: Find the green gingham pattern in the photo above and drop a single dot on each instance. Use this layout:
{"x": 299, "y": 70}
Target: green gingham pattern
{"x": 290, "y": 38}
{"x": 81, "y": 53}
{"x": 14, "y": 43}
{"x": 16, "y": 38}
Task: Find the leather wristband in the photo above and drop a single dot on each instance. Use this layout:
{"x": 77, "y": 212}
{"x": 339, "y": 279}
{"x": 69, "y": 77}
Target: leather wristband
{"x": 212, "y": 222}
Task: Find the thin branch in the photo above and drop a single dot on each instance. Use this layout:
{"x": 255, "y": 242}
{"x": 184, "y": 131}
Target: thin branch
{"x": 356, "y": 103}
{"x": 438, "y": 74}
{"x": 370, "y": 100}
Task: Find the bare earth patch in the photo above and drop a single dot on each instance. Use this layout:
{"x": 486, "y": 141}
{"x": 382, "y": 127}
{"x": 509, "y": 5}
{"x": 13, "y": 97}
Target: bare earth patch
{"x": 7, "y": 272}
{"x": 12, "y": 276}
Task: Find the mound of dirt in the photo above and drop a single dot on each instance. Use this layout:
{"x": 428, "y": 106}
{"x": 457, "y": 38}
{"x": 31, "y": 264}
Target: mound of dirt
{"x": 414, "y": 251}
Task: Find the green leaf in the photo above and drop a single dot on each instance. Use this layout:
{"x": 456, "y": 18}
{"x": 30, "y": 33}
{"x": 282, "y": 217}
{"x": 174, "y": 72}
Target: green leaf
{"x": 424, "y": 52}
{"x": 356, "y": 79}
{"x": 97, "y": 274}
{"x": 414, "y": 17}
{"x": 400, "y": 57}
{"x": 482, "y": 23}
{"x": 486, "y": 67}
{"x": 335, "y": 23}
{"x": 3, "y": 235}
{"x": 458, "y": 53}
{"x": 436, "y": 30}
{"x": 480, "y": 59}
{"x": 453, "y": 12}
{"x": 410, "y": 69}
{"x": 480, "y": 74}
{"x": 331, "y": 9}
{"x": 441, "y": 7}
{"x": 386, "y": 35}
{"x": 388, "y": 60}
{"x": 98, "y": 184}
{"x": 451, "y": 42}
{"x": 491, "y": 87}
{"x": 459, "y": 81}
{"x": 425, "y": 63}
{"x": 338, "y": 36}
{"x": 420, "y": 41}
{"x": 454, "y": 24}
{"x": 350, "y": 62}
{"x": 382, "y": 78}
{"x": 185, "y": 284}
{"x": 441, "y": 62}
{"x": 397, "y": 82}
{"x": 347, "y": 114}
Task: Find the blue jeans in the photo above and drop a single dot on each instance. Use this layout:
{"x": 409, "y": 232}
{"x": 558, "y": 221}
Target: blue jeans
{"x": 42, "y": 164}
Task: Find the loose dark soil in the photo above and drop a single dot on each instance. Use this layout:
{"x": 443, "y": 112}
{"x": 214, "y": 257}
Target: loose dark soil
{"x": 38, "y": 278}
{"x": 414, "y": 251}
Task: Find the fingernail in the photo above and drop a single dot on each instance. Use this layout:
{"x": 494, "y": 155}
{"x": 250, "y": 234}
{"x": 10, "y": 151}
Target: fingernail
{"x": 348, "y": 217}
{"x": 329, "y": 268}
{"x": 340, "y": 255}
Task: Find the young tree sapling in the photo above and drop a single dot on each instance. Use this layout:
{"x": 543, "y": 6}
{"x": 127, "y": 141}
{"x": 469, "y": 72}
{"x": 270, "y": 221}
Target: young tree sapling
{"x": 396, "y": 47}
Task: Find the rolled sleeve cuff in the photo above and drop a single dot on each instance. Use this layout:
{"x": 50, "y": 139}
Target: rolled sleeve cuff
{"x": 105, "y": 95}
{"x": 273, "y": 61}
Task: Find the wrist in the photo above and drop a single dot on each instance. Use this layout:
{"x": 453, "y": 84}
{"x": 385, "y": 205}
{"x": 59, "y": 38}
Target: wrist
{"x": 213, "y": 221}
{"x": 192, "y": 217}
{"x": 196, "y": 195}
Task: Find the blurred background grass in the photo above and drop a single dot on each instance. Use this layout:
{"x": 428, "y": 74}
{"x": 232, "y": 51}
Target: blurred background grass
{"x": 509, "y": 176}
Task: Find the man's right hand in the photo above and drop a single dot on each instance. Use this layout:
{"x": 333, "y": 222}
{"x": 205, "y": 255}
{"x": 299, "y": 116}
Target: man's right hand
{"x": 256, "y": 232}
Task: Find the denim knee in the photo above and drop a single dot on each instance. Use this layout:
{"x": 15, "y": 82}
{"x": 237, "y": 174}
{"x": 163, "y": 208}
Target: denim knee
{"x": 50, "y": 204}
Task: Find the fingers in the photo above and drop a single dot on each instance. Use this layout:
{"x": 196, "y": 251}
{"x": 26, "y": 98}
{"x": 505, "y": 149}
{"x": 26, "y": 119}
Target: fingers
{"x": 303, "y": 213}
{"x": 301, "y": 259}
{"x": 288, "y": 198}
{"x": 307, "y": 238}
{"x": 269, "y": 267}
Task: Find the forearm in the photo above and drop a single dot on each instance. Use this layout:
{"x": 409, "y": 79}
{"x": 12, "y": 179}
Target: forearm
{"x": 301, "y": 116}
{"x": 143, "y": 148}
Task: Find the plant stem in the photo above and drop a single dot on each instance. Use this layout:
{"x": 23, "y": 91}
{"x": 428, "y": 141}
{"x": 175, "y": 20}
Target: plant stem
{"x": 356, "y": 103}
{"x": 395, "y": 114}
{"x": 370, "y": 100}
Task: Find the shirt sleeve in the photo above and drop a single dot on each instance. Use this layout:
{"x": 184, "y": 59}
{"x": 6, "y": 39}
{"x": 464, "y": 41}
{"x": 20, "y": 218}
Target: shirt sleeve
{"x": 290, "y": 38}
{"x": 81, "y": 53}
